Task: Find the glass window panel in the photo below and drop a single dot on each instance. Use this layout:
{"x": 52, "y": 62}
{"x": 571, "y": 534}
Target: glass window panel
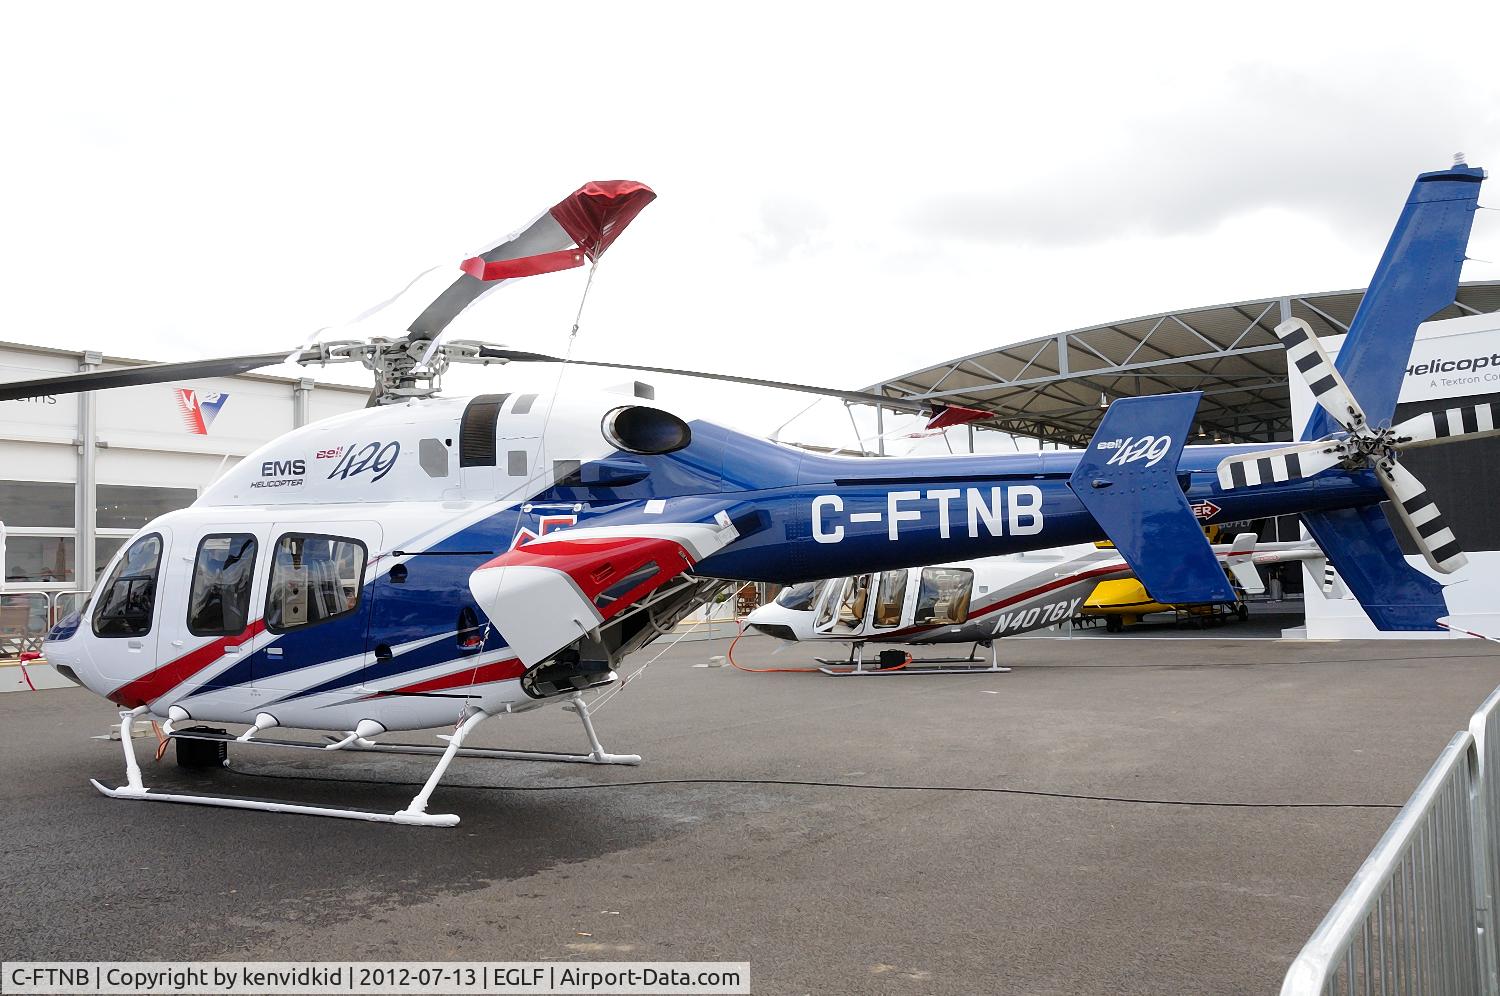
{"x": 69, "y": 602}
{"x": 38, "y": 559}
{"x": 126, "y": 506}
{"x": 943, "y": 597}
{"x": 34, "y": 503}
{"x": 830, "y": 601}
{"x": 127, "y": 601}
{"x": 853, "y": 602}
{"x": 799, "y": 597}
{"x": 219, "y": 600}
{"x": 313, "y": 579}
{"x": 105, "y": 548}
{"x": 888, "y": 601}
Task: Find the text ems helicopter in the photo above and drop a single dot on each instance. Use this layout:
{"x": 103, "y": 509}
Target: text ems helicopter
{"x": 973, "y": 601}
{"x": 375, "y": 571}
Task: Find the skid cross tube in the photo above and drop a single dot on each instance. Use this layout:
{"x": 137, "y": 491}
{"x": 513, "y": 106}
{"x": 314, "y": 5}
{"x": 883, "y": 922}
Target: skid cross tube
{"x": 415, "y": 814}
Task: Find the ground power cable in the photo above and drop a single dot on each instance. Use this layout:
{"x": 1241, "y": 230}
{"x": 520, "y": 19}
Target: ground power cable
{"x": 870, "y": 786}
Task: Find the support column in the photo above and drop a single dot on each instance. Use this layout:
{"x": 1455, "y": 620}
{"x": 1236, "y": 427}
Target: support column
{"x": 302, "y": 402}
{"x": 880, "y": 428}
{"x": 86, "y": 500}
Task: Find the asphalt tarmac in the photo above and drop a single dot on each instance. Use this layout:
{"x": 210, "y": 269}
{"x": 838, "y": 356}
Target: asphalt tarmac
{"x": 1176, "y": 817}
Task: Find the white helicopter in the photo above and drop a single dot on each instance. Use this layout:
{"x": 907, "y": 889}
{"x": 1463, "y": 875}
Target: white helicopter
{"x": 976, "y": 602}
{"x": 432, "y": 561}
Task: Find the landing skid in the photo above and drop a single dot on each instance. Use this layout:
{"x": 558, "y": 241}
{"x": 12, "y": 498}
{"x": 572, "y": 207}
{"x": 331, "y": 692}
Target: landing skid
{"x": 855, "y": 665}
{"x": 415, "y": 814}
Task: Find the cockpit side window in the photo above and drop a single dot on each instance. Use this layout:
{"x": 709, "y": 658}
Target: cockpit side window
{"x": 829, "y": 601}
{"x": 127, "y": 601}
{"x": 799, "y": 597}
{"x": 313, "y": 579}
{"x": 223, "y": 574}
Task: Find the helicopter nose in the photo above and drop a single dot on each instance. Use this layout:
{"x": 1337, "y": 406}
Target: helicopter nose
{"x": 773, "y": 629}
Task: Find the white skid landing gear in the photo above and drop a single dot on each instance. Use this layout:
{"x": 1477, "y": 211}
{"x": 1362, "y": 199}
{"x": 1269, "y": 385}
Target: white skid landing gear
{"x": 918, "y": 665}
{"x": 576, "y": 703}
{"x": 415, "y": 814}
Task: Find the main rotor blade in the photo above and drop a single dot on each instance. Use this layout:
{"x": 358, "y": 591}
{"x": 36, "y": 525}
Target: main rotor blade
{"x": 1421, "y": 517}
{"x": 859, "y": 397}
{"x": 1449, "y": 425}
{"x": 151, "y": 373}
{"x": 1305, "y": 354}
{"x": 1290, "y": 463}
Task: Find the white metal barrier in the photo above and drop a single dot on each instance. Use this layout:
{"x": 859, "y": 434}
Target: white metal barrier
{"x": 1418, "y": 917}
{"x": 27, "y": 614}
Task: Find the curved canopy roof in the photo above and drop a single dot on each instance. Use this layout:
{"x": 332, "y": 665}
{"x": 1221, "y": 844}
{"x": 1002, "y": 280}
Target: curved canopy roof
{"x": 1051, "y": 388}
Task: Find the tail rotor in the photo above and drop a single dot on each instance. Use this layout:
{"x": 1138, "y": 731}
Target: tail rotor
{"x": 1361, "y": 445}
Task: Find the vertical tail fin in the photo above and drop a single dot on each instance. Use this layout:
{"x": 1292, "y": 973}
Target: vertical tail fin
{"x": 1416, "y": 278}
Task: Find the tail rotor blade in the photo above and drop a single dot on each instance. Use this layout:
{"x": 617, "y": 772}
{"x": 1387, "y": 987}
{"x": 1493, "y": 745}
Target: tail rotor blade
{"x": 1449, "y": 425}
{"x": 1307, "y": 357}
{"x": 1290, "y": 463}
{"x": 1420, "y": 514}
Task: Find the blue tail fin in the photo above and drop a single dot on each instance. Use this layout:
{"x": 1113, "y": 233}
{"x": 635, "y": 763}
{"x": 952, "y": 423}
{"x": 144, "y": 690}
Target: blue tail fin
{"x": 1417, "y": 277}
{"x": 1360, "y": 545}
{"x": 1127, "y": 479}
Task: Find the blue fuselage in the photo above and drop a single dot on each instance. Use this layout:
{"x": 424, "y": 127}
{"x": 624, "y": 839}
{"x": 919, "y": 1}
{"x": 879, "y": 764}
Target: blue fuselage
{"x": 805, "y": 515}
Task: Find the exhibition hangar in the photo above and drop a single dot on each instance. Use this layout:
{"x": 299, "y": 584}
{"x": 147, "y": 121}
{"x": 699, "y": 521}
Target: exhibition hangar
{"x": 1056, "y": 388}
{"x": 83, "y": 472}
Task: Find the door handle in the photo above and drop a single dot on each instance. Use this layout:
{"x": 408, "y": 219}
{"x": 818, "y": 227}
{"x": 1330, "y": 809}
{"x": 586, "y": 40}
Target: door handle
{"x": 176, "y": 643}
{"x": 133, "y": 644}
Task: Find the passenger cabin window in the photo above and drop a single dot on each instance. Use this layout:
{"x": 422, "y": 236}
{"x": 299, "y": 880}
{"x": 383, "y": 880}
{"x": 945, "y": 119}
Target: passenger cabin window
{"x": 219, "y": 602}
{"x": 853, "y": 602}
{"x": 799, "y": 597}
{"x": 128, "y": 599}
{"x": 889, "y": 599}
{"x": 313, "y": 579}
{"x": 943, "y": 596}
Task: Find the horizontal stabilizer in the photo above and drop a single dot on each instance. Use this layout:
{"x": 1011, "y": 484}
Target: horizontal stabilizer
{"x": 1241, "y": 563}
{"x": 1127, "y": 479}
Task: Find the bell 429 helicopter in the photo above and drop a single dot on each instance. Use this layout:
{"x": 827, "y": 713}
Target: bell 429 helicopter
{"x": 436, "y": 558}
{"x": 975, "y": 602}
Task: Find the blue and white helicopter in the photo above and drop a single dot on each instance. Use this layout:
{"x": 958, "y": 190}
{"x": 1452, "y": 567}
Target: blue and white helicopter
{"x": 432, "y": 559}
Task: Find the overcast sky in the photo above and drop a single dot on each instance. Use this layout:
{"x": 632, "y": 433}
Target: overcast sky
{"x": 846, "y": 192}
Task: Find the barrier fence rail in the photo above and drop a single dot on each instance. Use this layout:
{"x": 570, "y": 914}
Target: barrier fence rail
{"x": 1418, "y": 916}
{"x": 27, "y": 615}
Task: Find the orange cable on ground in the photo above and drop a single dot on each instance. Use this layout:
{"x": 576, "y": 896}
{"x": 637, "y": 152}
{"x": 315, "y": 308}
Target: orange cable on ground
{"x": 161, "y": 741}
{"x": 757, "y": 670}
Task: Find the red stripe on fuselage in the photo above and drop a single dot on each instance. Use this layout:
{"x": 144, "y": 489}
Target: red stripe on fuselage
{"x": 595, "y": 563}
{"x": 1115, "y": 567}
{"x": 154, "y": 684}
{"x": 484, "y": 674}
{"x": 1062, "y": 582}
